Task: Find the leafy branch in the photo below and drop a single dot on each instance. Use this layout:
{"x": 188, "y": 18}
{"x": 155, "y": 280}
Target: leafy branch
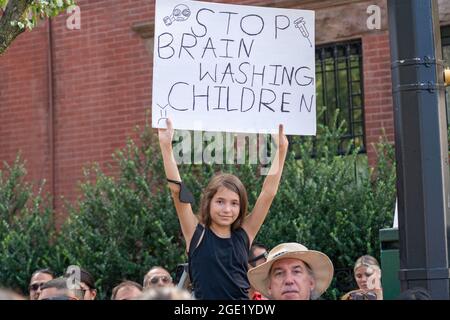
{"x": 16, "y": 16}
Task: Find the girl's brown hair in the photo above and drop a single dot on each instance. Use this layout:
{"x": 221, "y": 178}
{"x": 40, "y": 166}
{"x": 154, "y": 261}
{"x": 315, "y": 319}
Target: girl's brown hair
{"x": 230, "y": 182}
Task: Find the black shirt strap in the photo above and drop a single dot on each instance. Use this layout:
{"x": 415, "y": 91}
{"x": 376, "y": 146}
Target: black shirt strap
{"x": 195, "y": 241}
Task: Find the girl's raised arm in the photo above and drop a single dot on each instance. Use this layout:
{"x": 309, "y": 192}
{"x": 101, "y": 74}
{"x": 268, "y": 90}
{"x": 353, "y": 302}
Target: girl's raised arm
{"x": 254, "y": 221}
{"x": 188, "y": 220}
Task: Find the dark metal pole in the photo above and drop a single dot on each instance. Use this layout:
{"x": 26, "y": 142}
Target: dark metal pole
{"x": 421, "y": 145}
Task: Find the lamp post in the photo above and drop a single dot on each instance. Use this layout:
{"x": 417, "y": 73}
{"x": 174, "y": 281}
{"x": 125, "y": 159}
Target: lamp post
{"x": 421, "y": 145}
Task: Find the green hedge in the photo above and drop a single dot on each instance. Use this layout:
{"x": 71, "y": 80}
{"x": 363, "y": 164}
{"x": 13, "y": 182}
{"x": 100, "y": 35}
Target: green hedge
{"x": 123, "y": 225}
{"x": 26, "y": 228}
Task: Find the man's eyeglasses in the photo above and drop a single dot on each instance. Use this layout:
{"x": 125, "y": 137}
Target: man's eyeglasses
{"x": 35, "y": 286}
{"x": 164, "y": 279}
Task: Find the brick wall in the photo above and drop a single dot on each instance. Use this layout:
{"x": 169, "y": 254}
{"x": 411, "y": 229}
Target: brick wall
{"x": 379, "y": 113}
{"x": 102, "y": 77}
{"x": 23, "y": 103}
{"x": 102, "y": 88}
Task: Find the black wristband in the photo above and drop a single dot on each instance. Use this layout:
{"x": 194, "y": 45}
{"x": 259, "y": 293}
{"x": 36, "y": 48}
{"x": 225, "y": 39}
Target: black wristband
{"x": 185, "y": 195}
{"x": 174, "y": 181}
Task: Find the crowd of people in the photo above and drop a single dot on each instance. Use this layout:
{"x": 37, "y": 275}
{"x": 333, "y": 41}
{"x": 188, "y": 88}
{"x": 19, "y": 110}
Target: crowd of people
{"x": 289, "y": 271}
{"x": 78, "y": 284}
{"x": 224, "y": 263}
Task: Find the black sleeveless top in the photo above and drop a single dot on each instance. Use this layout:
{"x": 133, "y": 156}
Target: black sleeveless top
{"x": 218, "y": 266}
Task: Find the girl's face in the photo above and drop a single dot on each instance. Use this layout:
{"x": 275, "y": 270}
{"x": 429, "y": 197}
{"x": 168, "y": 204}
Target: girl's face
{"x": 367, "y": 278}
{"x": 224, "y": 207}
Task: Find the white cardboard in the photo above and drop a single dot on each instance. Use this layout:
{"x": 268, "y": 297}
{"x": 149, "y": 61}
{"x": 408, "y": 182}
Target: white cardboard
{"x": 234, "y": 68}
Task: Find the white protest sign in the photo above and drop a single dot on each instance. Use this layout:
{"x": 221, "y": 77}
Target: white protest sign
{"x": 233, "y": 68}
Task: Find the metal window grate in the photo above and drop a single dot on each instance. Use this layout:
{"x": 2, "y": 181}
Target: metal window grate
{"x": 339, "y": 78}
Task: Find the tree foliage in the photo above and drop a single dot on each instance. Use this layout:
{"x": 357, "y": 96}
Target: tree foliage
{"x": 18, "y": 15}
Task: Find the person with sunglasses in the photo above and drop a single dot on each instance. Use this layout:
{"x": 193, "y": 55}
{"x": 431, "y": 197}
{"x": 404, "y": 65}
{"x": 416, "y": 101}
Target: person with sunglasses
{"x": 38, "y": 278}
{"x": 257, "y": 255}
{"x": 157, "y": 277}
{"x": 368, "y": 278}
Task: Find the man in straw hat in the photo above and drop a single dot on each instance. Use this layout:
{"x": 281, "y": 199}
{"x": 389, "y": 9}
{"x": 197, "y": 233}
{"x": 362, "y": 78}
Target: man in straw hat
{"x": 292, "y": 272}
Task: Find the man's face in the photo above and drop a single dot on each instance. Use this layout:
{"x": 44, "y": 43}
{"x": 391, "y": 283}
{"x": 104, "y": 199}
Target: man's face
{"x": 158, "y": 278}
{"x": 127, "y": 293}
{"x": 35, "y": 284}
{"x": 289, "y": 280}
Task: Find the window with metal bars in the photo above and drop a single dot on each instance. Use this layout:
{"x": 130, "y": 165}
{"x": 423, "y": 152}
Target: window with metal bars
{"x": 339, "y": 85}
{"x": 445, "y": 34}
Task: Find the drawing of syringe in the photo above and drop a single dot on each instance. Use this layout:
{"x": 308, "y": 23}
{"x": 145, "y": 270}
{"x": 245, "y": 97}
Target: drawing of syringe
{"x": 300, "y": 23}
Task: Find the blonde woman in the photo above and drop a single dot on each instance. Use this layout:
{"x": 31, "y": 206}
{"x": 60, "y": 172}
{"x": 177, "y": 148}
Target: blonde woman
{"x": 368, "y": 278}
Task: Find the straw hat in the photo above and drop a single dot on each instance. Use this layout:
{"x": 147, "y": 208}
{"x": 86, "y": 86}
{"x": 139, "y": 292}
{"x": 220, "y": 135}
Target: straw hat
{"x": 319, "y": 263}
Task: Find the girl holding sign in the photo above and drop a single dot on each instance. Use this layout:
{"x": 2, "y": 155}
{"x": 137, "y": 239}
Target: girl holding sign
{"x": 218, "y": 240}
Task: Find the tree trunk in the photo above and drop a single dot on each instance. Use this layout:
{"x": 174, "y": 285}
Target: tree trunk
{"x": 15, "y": 10}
